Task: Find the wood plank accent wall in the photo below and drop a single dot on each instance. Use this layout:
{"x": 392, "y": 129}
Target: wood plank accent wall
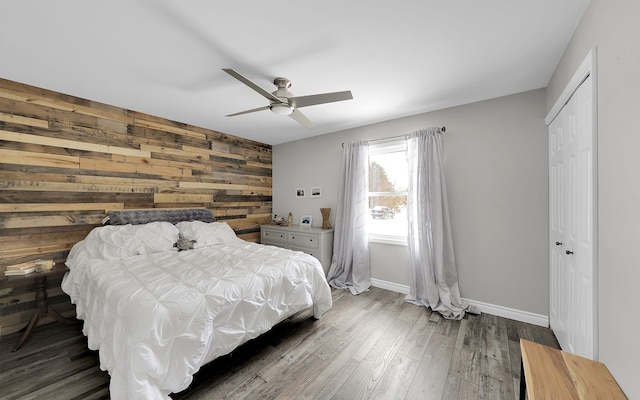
{"x": 65, "y": 161}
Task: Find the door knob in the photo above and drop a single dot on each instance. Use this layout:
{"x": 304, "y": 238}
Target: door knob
{"x": 569, "y": 252}
{"x": 558, "y": 243}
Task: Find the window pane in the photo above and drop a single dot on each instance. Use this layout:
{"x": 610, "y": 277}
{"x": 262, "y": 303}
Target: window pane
{"x": 386, "y": 221}
{"x": 388, "y": 172}
{"x": 388, "y": 180}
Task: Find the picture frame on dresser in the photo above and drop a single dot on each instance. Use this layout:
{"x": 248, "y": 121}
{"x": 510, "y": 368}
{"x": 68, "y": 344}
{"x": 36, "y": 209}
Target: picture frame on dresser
{"x": 306, "y": 220}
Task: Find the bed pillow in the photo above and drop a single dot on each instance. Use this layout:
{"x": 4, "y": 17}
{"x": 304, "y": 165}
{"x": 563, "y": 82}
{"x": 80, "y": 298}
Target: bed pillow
{"x": 144, "y": 216}
{"x": 207, "y": 234}
{"x": 114, "y": 242}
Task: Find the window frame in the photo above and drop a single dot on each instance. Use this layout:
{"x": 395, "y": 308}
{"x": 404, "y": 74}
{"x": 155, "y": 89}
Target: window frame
{"x": 387, "y": 146}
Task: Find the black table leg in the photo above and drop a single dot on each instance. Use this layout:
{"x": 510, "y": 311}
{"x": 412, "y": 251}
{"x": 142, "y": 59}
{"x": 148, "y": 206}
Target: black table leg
{"x": 42, "y": 310}
{"x": 523, "y": 384}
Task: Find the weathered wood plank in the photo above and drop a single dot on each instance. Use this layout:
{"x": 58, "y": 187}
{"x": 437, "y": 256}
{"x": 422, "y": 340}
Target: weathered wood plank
{"x": 40, "y": 207}
{"x": 74, "y": 187}
{"x": 47, "y": 100}
{"x": 207, "y": 152}
{"x": 250, "y": 237}
{"x": 83, "y": 176}
{"x": 23, "y": 220}
{"x": 18, "y": 119}
{"x": 70, "y": 144}
{"x": 160, "y": 162}
{"x": 144, "y": 167}
{"x": 36, "y": 196}
{"x": 66, "y": 124}
{"x": 35, "y": 251}
{"x": 182, "y": 198}
{"x": 52, "y": 151}
{"x": 49, "y": 238}
{"x": 169, "y": 128}
{"x": 225, "y": 186}
{"x": 41, "y": 159}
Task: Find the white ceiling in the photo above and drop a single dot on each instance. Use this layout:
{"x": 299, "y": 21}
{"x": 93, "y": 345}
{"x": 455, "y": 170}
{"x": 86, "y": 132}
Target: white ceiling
{"x": 398, "y": 58}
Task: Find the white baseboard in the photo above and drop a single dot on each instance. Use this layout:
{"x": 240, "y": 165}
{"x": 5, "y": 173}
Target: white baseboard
{"x": 511, "y": 313}
{"x": 394, "y": 287}
{"x": 500, "y": 311}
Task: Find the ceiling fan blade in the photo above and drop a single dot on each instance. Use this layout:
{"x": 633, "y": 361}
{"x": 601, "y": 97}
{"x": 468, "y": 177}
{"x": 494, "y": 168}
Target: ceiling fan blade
{"x": 252, "y": 85}
{"x": 301, "y": 118}
{"x": 248, "y": 111}
{"x": 314, "y": 99}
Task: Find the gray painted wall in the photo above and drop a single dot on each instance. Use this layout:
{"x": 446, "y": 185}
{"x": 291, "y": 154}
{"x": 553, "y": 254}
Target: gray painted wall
{"x": 496, "y": 171}
{"x": 613, "y": 27}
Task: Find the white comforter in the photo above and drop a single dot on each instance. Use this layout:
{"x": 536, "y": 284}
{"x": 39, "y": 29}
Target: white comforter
{"x": 156, "y": 318}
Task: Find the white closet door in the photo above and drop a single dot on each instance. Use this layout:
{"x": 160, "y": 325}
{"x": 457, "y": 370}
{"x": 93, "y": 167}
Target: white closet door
{"x": 571, "y": 190}
{"x": 558, "y": 308}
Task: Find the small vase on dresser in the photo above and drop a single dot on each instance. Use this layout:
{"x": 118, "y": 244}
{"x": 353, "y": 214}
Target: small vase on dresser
{"x": 325, "y": 218}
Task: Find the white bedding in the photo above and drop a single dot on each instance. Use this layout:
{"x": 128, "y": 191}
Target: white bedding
{"x": 157, "y": 316}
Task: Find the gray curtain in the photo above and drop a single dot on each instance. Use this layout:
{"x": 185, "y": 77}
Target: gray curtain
{"x": 350, "y": 263}
{"x": 432, "y": 267}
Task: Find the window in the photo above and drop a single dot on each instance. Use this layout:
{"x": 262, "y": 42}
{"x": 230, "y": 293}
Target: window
{"x": 388, "y": 182}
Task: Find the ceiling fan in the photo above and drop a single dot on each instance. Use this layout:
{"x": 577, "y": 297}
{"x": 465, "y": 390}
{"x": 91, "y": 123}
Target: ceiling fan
{"x": 283, "y": 102}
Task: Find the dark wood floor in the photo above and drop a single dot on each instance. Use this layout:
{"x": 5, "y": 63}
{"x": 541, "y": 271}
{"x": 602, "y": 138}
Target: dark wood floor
{"x": 371, "y": 346}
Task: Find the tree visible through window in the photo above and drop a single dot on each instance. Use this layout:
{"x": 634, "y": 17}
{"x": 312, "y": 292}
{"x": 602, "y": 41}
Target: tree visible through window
{"x": 388, "y": 180}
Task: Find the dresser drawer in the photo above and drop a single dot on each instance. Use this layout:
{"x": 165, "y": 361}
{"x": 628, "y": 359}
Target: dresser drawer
{"x": 315, "y": 241}
{"x": 302, "y": 239}
{"x": 273, "y": 236}
{"x": 311, "y": 252}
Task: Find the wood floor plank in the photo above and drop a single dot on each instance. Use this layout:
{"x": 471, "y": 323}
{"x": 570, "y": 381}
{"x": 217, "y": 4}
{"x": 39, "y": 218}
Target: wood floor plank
{"x": 330, "y": 380}
{"x": 298, "y": 382}
{"x": 342, "y": 338}
{"x": 371, "y": 346}
{"x": 468, "y": 391}
{"x": 465, "y": 364}
{"x": 452, "y": 387}
{"x": 416, "y": 342}
{"x": 369, "y": 373}
{"x": 429, "y": 382}
{"x": 73, "y": 386}
{"x": 285, "y": 376}
{"x": 397, "y": 378}
{"x": 342, "y": 366}
{"x": 226, "y": 375}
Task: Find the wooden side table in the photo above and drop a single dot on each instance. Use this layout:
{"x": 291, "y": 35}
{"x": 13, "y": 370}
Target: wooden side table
{"x": 548, "y": 373}
{"x": 42, "y": 304}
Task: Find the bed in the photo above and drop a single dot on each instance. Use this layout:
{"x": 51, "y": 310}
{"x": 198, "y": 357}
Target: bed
{"x": 157, "y": 314}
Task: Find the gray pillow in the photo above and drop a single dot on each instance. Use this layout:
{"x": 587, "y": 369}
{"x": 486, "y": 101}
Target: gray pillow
{"x": 137, "y": 217}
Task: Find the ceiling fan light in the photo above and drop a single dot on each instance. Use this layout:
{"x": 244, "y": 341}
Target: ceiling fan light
{"x": 282, "y": 109}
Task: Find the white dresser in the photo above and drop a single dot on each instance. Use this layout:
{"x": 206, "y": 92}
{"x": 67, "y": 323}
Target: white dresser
{"x": 312, "y": 240}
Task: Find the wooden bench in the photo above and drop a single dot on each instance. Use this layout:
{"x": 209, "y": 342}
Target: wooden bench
{"x": 548, "y": 373}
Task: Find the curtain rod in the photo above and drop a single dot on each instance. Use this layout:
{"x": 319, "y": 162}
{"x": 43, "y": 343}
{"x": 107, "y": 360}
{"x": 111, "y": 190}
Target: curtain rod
{"x": 442, "y": 130}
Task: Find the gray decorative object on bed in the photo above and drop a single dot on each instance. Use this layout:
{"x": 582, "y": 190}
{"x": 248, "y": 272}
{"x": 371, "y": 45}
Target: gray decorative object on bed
{"x": 137, "y": 217}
